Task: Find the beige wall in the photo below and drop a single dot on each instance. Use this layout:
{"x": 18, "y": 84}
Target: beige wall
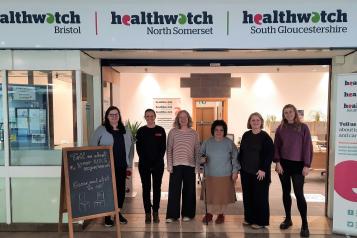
{"x": 265, "y": 93}
{"x": 62, "y": 101}
{"x": 137, "y": 91}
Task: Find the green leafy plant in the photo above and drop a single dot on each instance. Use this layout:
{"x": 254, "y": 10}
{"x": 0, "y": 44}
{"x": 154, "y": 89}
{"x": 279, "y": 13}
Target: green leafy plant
{"x": 134, "y": 127}
{"x": 270, "y": 121}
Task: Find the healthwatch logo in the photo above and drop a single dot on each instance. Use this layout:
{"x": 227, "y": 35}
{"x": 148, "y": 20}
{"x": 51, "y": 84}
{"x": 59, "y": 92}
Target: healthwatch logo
{"x": 288, "y": 16}
{"x": 167, "y": 24}
{"x": 54, "y": 18}
{"x": 154, "y": 18}
{"x": 350, "y": 104}
{"x": 290, "y": 22}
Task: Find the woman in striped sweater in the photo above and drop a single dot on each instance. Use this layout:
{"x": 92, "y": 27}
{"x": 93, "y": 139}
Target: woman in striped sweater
{"x": 182, "y": 162}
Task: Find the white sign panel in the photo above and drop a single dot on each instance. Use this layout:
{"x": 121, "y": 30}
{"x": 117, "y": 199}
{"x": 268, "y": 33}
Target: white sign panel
{"x": 345, "y": 184}
{"x": 89, "y": 24}
{"x": 166, "y": 110}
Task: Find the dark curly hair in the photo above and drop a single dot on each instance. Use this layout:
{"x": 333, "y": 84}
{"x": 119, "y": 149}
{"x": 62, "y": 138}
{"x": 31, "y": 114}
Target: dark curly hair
{"x": 219, "y": 123}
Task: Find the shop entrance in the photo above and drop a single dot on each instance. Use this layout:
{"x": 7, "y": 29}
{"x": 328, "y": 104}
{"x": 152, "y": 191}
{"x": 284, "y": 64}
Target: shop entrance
{"x": 265, "y": 89}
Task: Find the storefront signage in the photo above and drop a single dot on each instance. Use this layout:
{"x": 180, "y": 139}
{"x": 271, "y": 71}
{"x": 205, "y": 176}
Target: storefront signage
{"x": 88, "y": 24}
{"x": 345, "y": 184}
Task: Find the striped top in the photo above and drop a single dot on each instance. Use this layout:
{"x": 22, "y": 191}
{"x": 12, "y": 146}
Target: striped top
{"x": 183, "y": 148}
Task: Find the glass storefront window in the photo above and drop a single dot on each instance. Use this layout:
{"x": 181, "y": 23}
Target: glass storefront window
{"x": 35, "y": 200}
{"x": 2, "y": 201}
{"x": 2, "y": 158}
{"x": 107, "y": 95}
{"x": 40, "y": 116}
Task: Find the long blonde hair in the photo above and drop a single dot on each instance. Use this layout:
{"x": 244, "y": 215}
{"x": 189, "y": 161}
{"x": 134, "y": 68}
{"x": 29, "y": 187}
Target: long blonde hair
{"x": 177, "y": 122}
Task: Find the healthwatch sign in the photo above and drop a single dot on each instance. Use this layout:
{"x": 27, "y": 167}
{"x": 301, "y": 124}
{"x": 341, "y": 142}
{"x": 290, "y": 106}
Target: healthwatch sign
{"x": 289, "y": 22}
{"x": 167, "y": 24}
{"x": 240, "y": 24}
{"x": 55, "y": 18}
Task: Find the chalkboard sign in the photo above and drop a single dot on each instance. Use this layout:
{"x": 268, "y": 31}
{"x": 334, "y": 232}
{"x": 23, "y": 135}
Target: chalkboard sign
{"x": 89, "y": 180}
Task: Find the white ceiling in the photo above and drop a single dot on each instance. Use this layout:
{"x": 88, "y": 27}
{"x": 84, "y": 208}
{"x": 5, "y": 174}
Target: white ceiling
{"x": 217, "y": 54}
{"x": 221, "y": 55}
{"x": 230, "y": 69}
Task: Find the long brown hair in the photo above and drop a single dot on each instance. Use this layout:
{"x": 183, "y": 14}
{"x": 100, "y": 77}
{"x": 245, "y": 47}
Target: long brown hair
{"x": 297, "y": 122}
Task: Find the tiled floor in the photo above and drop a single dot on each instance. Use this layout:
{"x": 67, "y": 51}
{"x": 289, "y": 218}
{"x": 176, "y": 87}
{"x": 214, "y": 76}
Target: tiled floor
{"x": 320, "y": 226}
{"x": 315, "y": 184}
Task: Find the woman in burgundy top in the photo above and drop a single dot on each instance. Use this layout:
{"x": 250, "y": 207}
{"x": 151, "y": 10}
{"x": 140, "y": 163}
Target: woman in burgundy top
{"x": 293, "y": 156}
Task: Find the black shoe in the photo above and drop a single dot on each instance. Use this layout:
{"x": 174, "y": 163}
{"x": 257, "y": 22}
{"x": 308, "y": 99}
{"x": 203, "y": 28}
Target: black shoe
{"x": 304, "y": 232}
{"x": 147, "y": 218}
{"x": 108, "y": 222}
{"x": 286, "y": 224}
{"x": 122, "y": 219}
{"x": 155, "y": 217}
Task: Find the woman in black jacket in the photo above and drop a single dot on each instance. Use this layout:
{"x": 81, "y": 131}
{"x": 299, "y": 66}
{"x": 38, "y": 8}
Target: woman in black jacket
{"x": 151, "y": 146}
{"x": 255, "y": 156}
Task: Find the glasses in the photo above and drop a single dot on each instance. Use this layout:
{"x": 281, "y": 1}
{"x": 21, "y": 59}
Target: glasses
{"x": 113, "y": 115}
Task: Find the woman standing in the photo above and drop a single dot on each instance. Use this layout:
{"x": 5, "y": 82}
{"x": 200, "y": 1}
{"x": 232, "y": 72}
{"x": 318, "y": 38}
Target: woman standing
{"x": 221, "y": 171}
{"x": 151, "y": 147}
{"x": 293, "y": 156}
{"x": 255, "y": 156}
{"x": 112, "y": 132}
{"x": 182, "y": 160}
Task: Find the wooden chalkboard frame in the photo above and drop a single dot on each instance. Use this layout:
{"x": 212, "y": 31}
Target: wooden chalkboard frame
{"x": 65, "y": 193}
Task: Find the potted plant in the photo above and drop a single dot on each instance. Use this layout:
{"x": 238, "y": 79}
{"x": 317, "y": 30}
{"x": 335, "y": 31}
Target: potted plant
{"x": 270, "y": 121}
{"x": 134, "y": 127}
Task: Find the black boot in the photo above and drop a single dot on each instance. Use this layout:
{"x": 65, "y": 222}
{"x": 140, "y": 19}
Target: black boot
{"x": 155, "y": 217}
{"x": 304, "y": 232}
{"x": 147, "y": 218}
{"x": 108, "y": 222}
{"x": 122, "y": 219}
{"x": 286, "y": 223}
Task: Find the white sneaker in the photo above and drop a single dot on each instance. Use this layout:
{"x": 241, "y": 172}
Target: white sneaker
{"x": 186, "y": 219}
{"x": 169, "y": 220}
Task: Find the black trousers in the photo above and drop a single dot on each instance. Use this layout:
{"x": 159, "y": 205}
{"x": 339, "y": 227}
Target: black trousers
{"x": 294, "y": 175}
{"x": 182, "y": 179}
{"x": 145, "y": 174}
{"x": 120, "y": 175}
{"x": 255, "y": 199}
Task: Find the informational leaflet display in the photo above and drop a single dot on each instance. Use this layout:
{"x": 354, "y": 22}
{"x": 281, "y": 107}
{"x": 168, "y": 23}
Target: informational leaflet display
{"x": 166, "y": 110}
{"x": 28, "y": 116}
{"x": 345, "y": 184}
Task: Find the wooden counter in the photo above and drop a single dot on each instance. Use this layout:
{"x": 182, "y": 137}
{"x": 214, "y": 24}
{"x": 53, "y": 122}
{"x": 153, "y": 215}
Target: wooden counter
{"x": 319, "y": 160}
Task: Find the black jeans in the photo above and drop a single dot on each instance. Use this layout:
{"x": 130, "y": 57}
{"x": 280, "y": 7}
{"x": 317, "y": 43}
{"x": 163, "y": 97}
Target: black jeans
{"x": 120, "y": 175}
{"x": 182, "y": 178}
{"x": 156, "y": 173}
{"x": 294, "y": 175}
{"x": 255, "y": 199}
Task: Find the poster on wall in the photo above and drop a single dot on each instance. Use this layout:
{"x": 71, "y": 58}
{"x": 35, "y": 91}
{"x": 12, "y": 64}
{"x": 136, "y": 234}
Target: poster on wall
{"x": 166, "y": 110}
{"x": 345, "y": 183}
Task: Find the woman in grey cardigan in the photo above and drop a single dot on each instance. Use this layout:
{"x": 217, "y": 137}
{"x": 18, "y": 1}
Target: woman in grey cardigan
{"x": 112, "y": 132}
{"x": 221, "y": 171}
